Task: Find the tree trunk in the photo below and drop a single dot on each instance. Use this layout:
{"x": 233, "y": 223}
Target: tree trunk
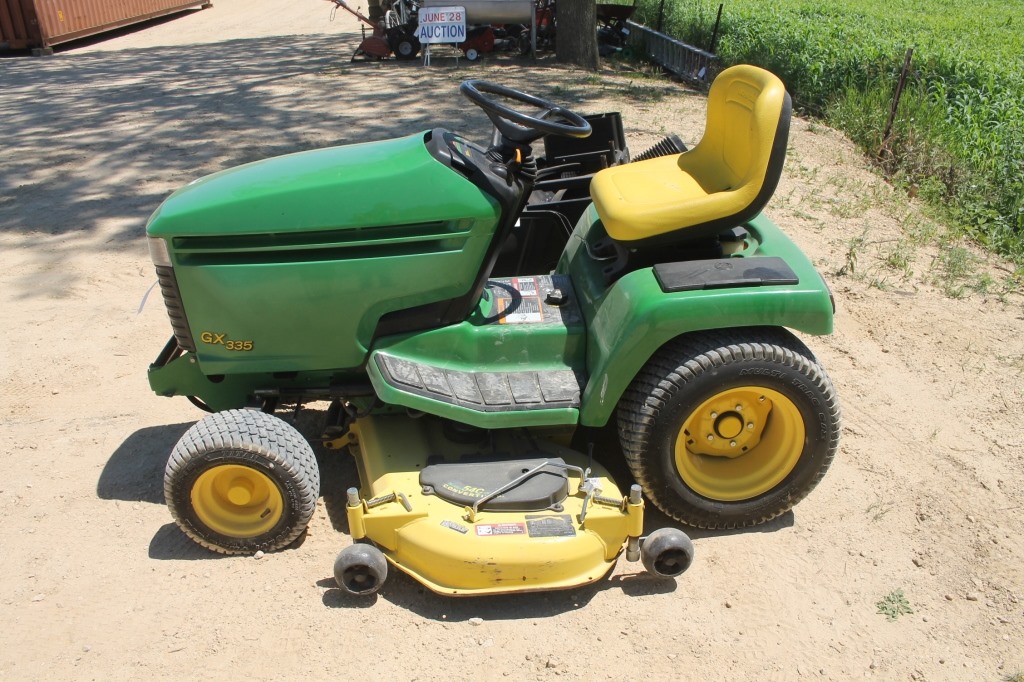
{"x": 576, "y": 37}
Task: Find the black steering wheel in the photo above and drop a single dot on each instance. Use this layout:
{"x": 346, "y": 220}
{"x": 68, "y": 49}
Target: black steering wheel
{"x": 516, "y": 126}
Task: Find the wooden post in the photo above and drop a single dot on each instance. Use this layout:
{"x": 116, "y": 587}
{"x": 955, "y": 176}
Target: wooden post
{"x": 896, "y": 100}
{"x": 714, "y": 34}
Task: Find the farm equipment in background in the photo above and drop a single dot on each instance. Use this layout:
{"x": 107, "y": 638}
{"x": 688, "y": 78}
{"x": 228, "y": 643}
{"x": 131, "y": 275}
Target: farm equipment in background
{"x": 392, "y": 33}
{"x": 490, "y": 24}
{"x": 544, "y": 19}
{"x": 394, "y": 29}
{"x": 479, "y": 40}
{"x": 612, "y": 32}
{"x": 482, "y": 39}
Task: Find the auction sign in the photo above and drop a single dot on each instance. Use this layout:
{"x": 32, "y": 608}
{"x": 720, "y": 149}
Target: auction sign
{"x": 442, "y": 25}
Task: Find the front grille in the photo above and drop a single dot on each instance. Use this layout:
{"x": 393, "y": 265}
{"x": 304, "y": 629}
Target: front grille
{"x": 175, "y": 308}
{"x": 323, "y": 245}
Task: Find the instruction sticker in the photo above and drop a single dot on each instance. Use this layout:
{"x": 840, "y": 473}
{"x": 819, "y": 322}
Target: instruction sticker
{"x": 492, "y": 529}
{"x": 527, "y": 312}
{"x": 527, "y": 286}
{"x": 527, "y": 308}
{"x": 550, "y": 526}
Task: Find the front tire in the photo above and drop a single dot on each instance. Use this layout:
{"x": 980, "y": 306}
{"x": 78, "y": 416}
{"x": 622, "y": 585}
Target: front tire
{"x": 728, "y": 429}
{"x": 242, "y": 481}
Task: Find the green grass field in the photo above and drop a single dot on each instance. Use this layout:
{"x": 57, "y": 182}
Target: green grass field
{"x": 958, "y": 138}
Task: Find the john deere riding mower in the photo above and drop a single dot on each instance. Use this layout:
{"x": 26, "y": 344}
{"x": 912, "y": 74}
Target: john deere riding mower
{"x": 376, "y": 277}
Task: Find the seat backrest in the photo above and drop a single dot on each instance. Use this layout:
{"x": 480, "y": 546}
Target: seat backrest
{"x": 744, "y": 142}
{"x": 724, "y": 181}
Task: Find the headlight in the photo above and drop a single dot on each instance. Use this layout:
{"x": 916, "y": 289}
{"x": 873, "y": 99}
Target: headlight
{"x": 158, "y": 252}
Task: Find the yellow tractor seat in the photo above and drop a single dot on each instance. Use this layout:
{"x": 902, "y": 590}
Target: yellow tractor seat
{"x": 724, "y": 181}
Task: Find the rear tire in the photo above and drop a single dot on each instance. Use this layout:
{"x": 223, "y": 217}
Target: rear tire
{"x": 731, "y": 428}
{"x": 242, "y": 481}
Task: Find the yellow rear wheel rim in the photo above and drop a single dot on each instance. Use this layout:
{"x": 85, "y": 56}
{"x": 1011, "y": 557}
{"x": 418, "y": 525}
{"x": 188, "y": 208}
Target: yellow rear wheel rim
{"x": 740, "y": 443}
{"x": 237, "y": 501}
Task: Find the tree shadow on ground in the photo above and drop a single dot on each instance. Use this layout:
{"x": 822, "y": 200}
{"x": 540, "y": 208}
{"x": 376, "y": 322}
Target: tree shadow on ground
{"x": 99, "y": 139}
{"x": 135, "y": 124}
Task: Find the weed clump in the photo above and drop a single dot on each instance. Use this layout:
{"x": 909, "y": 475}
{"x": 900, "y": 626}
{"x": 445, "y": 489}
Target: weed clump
{"x": 894, "y": 605}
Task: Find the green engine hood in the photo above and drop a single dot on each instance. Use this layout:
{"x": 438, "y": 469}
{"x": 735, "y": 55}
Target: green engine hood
{"x": 289, "y": 264}
{"x": 363, "y": 185}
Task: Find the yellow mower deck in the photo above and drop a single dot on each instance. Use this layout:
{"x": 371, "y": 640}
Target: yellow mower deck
{"x": 455, "y": 550}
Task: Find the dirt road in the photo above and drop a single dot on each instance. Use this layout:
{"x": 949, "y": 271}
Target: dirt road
{"x": 925, "y": 495}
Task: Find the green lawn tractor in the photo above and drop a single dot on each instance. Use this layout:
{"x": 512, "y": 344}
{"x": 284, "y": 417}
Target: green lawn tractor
{"x": 471, "y": 345}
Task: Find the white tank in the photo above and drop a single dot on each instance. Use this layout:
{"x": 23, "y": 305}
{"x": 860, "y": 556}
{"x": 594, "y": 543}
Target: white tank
{"x": 490, "y": 11}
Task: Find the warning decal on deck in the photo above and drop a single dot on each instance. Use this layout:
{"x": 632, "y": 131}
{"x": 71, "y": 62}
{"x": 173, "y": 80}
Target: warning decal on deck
{"x": 500, "y": 529}
{"x": 550, "y": 526}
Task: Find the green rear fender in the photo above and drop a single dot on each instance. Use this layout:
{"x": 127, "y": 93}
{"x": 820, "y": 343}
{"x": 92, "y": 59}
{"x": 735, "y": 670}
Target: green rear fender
{"x": 631, "y": 319}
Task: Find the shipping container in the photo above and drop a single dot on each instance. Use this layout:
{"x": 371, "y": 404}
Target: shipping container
{"x": 43, "y": 23}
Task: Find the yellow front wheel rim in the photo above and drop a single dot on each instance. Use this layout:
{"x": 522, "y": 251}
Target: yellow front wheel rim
{"x": 740, "y": 443}
{"x": 237, "y": 501}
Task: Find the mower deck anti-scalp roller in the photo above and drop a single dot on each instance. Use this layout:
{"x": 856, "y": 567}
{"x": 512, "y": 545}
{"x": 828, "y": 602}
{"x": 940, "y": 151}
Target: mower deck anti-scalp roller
{"x": 472, "y": 318}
